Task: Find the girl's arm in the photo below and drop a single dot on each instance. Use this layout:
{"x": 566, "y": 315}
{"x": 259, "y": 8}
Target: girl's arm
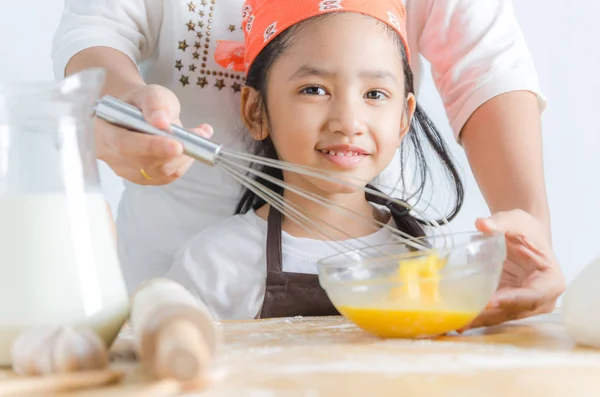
{"x": 224, "y": 267}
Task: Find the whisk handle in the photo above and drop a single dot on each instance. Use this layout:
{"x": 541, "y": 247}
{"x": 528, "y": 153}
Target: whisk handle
{"x": 120, "y": 113}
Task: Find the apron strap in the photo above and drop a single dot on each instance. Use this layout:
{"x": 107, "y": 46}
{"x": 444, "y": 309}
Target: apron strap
{"x": 274, "y": 248}
{"x": 400, "y": 214}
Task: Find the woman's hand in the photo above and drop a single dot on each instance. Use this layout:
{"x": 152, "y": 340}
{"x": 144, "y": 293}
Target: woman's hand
{"x": 531, "y": 280}
{"x": 141, "y": 158}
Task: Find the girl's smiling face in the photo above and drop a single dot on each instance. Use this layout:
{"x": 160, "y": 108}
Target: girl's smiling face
{"x": 335, "y": 100}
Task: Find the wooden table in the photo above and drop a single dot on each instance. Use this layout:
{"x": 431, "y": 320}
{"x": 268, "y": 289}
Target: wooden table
{"x": 331, "y": 357}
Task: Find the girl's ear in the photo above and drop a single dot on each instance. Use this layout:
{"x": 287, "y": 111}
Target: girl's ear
{"x": 253, "y": 113}
{"x": 407, "y": 116}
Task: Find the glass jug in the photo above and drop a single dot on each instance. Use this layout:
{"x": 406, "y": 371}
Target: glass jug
{"x": 58, "y": 260}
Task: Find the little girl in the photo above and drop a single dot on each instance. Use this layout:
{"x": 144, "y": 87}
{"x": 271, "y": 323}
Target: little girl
{"x": 328, "y": 86}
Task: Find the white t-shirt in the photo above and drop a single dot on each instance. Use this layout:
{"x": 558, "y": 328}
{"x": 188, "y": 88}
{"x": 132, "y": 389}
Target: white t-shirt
{"x": 475, "y": 47}
{"x": 225, "y": 265}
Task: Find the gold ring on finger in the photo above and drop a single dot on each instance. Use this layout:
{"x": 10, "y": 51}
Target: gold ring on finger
{"x": 145, "y": 174}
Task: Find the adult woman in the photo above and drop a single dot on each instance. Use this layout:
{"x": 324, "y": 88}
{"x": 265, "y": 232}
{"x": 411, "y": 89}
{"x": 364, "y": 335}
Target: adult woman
{"x": 480, "y": 65}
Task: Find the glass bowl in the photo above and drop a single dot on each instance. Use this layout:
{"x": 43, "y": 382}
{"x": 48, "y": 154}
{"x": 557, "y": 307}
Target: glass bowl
{"x": 397, "y": 291}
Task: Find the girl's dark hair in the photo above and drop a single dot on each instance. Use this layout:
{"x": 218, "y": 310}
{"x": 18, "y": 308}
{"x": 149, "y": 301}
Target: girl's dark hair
{"x": 422, "y": 132}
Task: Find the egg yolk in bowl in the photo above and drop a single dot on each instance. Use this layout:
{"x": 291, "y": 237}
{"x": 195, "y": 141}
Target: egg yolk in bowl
{"x": 414, "y": 308}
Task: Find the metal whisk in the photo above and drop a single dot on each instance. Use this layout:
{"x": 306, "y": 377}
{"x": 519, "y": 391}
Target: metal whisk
{"x": 237, "y": 165}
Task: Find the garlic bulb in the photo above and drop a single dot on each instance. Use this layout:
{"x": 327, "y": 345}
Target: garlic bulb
{"x": 47, "y": 350}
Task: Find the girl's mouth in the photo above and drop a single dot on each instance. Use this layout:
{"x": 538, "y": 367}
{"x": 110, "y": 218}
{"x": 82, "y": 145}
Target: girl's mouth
{"x": 344, "y": 157}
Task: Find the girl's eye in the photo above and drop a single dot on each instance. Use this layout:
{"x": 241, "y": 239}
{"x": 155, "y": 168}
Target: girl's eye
{"x": 314, "y": 90}
{"x": 376, "y": 95}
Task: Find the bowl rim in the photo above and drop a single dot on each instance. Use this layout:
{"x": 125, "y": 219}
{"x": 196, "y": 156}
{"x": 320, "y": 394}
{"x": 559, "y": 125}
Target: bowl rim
{"x": 456, "y": 272}
{"x": 485, "y": 237}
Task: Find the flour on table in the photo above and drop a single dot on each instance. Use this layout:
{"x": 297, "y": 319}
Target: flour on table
{"x": 460, "y": 363}
{"x": 329, "y": 345}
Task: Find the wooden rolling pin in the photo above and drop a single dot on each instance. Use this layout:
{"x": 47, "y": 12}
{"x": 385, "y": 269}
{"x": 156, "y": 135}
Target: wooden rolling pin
{"x": 175, "y": 336}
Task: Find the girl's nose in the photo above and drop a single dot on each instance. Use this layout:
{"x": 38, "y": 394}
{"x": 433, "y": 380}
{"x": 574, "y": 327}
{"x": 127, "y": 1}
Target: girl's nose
{"x": 347, "y": 117}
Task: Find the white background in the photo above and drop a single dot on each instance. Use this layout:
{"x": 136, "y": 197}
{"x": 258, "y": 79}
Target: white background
{"x": 564, "y": 43}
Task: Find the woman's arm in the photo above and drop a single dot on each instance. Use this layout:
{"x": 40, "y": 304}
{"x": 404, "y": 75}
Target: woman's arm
{"x": 117, "y": 35}
{"x": 503, "y": 143}
{"x": 129, "y": 27}
{"x": 122, "y": 75}
{"x": 484, "y": 72}
{"x": 489, "y": 86}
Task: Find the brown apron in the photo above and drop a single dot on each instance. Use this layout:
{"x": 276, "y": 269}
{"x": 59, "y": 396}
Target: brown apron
{"x": 299, "y": 294}
{"x": 290, "y": 294}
